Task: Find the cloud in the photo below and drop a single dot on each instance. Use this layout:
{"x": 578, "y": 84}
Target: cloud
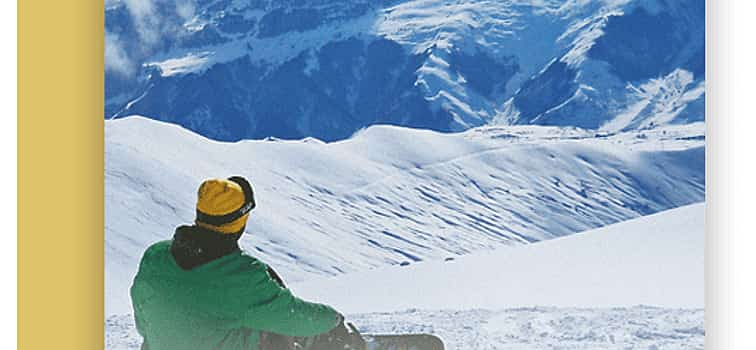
{"x": 155, "y": 23}
{"x": 116, "y": 58}
{"x": 146, "y": 20}
{"x": 185, "y": 10}
{"x": 155, "y": 20}
{"x": 109, "y": 3}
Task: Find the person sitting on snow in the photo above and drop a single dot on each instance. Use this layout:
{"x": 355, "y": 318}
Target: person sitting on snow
{"x": 201, "y": 291}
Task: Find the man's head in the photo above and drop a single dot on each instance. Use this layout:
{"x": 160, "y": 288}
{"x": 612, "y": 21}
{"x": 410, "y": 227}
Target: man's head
{"x": 223, "y": 206}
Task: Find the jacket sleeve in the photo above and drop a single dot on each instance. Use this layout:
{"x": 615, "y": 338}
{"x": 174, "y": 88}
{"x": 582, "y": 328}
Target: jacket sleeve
{"x": 279, "y": 311}
{"x": 141, "y": 291}
{"x": 138, "y": 298}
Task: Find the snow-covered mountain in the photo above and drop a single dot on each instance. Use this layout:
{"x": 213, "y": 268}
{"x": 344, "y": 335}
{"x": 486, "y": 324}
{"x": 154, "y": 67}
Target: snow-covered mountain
{"x": 584, "y": 291}
{"x": 236, "y": 69}
{"x": 392, "y": 195}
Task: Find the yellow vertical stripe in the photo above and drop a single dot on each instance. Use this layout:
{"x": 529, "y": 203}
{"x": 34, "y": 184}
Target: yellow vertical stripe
{"x": 60, "y": 174}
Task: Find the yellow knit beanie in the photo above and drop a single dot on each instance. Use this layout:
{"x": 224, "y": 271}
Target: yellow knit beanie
{"x": 224, "y": 205}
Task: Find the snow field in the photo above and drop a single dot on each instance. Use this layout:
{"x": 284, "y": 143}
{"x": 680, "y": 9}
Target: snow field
{"x": 391, "y": 195}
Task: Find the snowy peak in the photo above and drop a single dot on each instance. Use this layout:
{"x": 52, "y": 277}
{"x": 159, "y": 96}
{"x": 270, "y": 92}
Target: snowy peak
{"x": 222, "y": 68}
{"x": 677, "y": 98}
{"x": 612, "y": 55}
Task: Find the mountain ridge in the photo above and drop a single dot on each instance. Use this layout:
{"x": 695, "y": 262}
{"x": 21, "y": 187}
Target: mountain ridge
{"x": 233, "y": 70}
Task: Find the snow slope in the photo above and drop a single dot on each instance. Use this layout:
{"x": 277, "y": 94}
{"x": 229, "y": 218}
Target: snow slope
{"x": 391, "y": 195}
{"x": 476, "y": 302}
{"x": 654, "y": 260}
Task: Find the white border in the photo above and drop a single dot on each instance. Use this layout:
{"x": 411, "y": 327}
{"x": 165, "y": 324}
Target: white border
{"x": 731, "y": 176}
{"x": 8, "y": 175}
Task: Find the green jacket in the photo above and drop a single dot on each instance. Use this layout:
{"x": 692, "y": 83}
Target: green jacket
{"x": 222, "y": 304}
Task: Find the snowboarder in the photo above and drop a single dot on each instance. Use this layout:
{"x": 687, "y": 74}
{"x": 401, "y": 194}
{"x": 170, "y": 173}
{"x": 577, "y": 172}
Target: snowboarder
{"x": 201, "y": 291}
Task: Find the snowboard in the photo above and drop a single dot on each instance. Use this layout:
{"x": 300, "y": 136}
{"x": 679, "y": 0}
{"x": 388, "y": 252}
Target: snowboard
{"x": 403, "y": 342}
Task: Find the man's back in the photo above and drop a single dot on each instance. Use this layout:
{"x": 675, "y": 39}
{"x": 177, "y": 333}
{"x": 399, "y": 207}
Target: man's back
{"x": 221, "y": 304}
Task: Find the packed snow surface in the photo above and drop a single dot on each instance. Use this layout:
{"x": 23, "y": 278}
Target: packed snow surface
{"x": 487, "y": 300}
{"x": 534, "y": 328}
